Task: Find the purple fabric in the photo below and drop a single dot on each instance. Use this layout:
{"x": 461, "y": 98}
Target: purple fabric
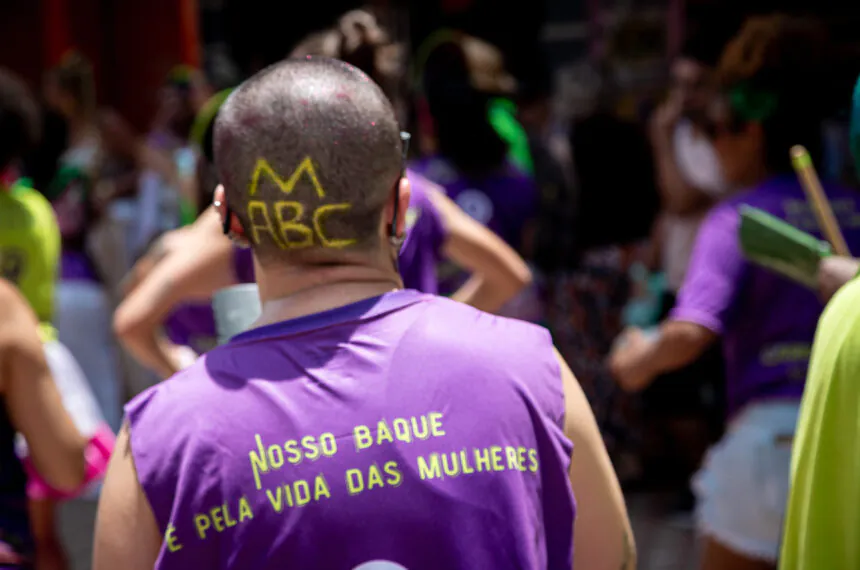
{"x": 420, "y": 254}
{"x": 192, "y": 325}
{"x": 504, "y": 201}
{"x": 76, "y": 266}
{"x": 425, "y": 238}
{"x": 293, "y": 445}
{"x": 243, "y": 264}
{"x": 767, "y": 322}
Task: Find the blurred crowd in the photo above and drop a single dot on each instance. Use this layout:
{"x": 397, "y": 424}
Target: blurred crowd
{"x": 604, "y": 206}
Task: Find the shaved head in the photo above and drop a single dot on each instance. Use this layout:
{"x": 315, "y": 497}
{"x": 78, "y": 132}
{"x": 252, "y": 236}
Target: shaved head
{"x": 309, "y": 153}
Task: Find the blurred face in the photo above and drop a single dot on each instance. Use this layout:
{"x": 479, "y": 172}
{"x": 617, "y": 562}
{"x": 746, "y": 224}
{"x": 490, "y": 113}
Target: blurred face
{"x": 739, "y": 147}
{"x": 691, "y": 83}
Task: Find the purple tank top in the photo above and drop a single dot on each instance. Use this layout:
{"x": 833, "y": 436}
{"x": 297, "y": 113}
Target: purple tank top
{"x": 420, "y": 254}
{"x": 365, "y": 437}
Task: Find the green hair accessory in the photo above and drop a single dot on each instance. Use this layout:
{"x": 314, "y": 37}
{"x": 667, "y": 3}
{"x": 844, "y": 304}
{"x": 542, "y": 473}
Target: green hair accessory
{"x": 751, "y": 104}
{"x": 502, "y": 114}
{"x": 181, "y": 75}
{"x": 205, "y": 117}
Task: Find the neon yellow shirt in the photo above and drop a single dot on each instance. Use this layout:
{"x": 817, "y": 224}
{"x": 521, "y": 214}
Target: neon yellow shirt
{"x": 30, "y": 249}
{"x": 822, "y": 526}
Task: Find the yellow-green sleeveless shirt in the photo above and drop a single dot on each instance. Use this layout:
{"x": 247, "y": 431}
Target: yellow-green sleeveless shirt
{"x": 822, "y": 522}
{"x": 30, "y": 249}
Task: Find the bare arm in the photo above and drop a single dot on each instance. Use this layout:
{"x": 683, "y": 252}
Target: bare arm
{"x": 159, "y": 249}
{"x": 833, "y": 273}
{"x": 35, "y": 407}
{"x": 198, "y": 265}
{"x": 498, "y": 272}
{"x": 638, "y": 361}
{"x": 127, "y": 534}
{"x": 603, "y": 538}
{"x": 679, "y": 197}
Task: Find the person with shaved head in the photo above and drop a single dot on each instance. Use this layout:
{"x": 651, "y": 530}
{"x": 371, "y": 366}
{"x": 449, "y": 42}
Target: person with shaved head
{"x": 357, "y": 424}
{"x": 165, "y": 319}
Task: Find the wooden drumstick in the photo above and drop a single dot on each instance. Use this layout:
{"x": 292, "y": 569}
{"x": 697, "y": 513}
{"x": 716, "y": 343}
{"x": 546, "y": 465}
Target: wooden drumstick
{"x": 818, "y": 199}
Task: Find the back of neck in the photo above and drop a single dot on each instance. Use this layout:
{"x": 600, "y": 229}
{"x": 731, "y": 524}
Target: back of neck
{"x": 291, "y": 292}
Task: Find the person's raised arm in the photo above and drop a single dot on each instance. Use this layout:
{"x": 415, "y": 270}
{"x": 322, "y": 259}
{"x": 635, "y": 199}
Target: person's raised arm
{"x": 160, "y": 247}
{"x": 34, "y": 404}
{"x": 498, "y": 273}
{"x": 603, "y": 538}
{"x": 198, "y": 265}
{"x": 679, "y": 196}
{"x": 701, "y": 314}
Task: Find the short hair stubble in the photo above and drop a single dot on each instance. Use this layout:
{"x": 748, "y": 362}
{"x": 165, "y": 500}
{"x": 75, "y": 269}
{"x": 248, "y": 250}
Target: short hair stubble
{"x": 311, "y": 147}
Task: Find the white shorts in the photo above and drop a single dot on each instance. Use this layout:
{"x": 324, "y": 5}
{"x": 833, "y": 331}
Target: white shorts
{"x": 742, "y": 488}
{"x": 78, "y": 397}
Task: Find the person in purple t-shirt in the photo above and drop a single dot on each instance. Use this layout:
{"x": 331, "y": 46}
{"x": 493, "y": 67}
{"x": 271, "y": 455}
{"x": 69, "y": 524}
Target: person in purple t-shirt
{"x": 359, "y": 424}
{"x": 766, "y": 322}
{"x": 461, "y": 78}
{"x": 183, "y": 278}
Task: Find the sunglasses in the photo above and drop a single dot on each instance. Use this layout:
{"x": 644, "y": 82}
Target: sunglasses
{"x": 405, "y": 139}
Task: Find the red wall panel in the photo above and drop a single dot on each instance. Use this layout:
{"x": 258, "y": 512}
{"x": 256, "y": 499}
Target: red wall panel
{"x": 146, "y": 44}
{"x": 131, "y": 43}
{"x": 21, "y": 33}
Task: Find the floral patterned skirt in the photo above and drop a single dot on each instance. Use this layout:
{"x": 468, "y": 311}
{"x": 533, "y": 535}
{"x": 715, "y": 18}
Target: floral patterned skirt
{"x": 585, "y": 315}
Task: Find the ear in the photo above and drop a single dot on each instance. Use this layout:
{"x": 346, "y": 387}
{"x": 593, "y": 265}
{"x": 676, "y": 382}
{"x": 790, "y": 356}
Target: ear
{"x": 402, "y": 206}
{"x": 219, "y": 202}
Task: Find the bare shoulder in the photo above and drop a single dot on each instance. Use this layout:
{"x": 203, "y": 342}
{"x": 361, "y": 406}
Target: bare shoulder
{"x": 579, "y": 419}
{"x": 568, "y": 380}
